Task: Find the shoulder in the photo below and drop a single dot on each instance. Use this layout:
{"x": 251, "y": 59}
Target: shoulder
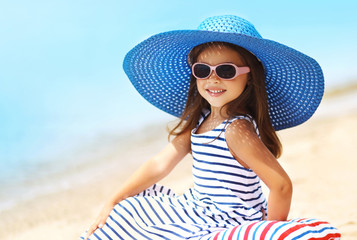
{"x": 241, "y": 125}
{"x": 242, "y": 132}
{"x": 245, "y": 145}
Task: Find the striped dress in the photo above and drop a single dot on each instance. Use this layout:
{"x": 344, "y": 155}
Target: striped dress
{"x": 226, "y": 202}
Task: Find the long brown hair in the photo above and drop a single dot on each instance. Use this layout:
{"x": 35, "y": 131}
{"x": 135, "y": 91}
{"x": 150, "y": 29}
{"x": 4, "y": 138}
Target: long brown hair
{"x": 253, "y": 99}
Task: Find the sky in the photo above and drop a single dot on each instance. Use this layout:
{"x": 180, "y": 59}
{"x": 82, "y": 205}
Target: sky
{"x": 61, "y": 76}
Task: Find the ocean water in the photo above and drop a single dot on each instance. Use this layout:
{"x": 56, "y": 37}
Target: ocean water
{"x": 38, "y": 147}
{"x": 42, "y": 139}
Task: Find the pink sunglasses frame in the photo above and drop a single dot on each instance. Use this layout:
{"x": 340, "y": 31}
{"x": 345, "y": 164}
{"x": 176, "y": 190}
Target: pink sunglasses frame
{"x": 239, "y": 70}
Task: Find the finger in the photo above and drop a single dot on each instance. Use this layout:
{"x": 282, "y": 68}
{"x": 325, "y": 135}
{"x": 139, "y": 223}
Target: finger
{"x": 102, "y": 221}
{"x": 91, "y": 230}
{"x": 101, "y": 225}
{"x": 88, "y": 235}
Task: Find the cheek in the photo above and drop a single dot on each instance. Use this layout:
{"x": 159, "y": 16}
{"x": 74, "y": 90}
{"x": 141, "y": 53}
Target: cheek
{"x": 200, "y": 86}
{"x": 237, "y": 89}
{"x": 242, "y": 83}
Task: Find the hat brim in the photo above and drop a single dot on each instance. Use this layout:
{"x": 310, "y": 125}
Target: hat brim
{"x": 158, "y": 69}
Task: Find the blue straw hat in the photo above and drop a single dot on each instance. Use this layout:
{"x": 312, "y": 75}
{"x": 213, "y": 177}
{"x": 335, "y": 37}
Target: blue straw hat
{"x": 158, "y": 69}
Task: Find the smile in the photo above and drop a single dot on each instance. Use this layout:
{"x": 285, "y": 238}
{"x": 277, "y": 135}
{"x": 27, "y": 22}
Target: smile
{"x": 215, "y": 91}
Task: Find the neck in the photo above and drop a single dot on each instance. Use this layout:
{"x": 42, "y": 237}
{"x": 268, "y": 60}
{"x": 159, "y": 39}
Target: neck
{"x": 218, "y": 113}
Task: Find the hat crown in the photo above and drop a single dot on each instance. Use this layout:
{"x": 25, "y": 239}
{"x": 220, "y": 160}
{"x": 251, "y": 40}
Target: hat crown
{"x": 229, "y": 24}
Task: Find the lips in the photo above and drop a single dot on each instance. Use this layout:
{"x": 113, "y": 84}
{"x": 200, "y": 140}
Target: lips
{"x": 215, "y": 92}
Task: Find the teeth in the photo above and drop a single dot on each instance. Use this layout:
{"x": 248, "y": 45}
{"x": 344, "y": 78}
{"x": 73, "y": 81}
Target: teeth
{"x": 215, "y": 91}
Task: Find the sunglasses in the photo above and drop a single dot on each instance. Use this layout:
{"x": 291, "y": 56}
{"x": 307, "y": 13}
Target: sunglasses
{"x": 225, "y": 71}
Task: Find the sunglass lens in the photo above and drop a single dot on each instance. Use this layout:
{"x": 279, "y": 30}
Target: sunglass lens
{"x": 226, "y": 71}
{"x": 201, "y": 70}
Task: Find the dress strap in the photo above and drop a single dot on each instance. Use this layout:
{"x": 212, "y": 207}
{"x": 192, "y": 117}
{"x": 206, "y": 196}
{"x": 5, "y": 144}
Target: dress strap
{"x": 204, "y": 114}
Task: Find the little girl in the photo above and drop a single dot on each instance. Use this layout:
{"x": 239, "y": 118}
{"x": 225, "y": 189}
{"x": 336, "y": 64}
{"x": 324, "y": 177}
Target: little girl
{"x": 231, "y": 89}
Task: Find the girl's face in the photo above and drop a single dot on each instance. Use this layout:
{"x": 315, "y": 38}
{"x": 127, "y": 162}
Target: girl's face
{"x": 216, "y": 91}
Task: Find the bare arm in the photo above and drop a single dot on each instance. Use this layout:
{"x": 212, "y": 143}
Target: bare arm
{"x": 155, "y": 168}
{"x": 249, "y": 149}
{"x": 148, "y": 174}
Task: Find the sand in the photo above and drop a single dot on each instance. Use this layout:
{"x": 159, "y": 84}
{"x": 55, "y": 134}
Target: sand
{"x": 319, "y": 155}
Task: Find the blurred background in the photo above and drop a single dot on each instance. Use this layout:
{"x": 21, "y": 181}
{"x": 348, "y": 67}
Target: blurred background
{"x": 63, "y": 90}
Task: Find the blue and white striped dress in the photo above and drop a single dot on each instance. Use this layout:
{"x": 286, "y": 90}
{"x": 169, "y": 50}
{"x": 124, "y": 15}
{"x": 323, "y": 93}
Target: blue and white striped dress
{"x": 232, "y": 191}
{"x": 225, "y": 195}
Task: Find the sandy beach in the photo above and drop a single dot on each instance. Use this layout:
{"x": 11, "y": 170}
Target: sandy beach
{"x": 319, "y": 155}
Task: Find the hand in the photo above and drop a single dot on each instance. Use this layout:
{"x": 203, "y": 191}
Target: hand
{"x": 101, "y": 219}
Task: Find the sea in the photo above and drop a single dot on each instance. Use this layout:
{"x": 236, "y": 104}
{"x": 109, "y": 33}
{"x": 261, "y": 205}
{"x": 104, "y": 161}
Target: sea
{"x": 41, "y": 144}
{"x": 42, "y": 140}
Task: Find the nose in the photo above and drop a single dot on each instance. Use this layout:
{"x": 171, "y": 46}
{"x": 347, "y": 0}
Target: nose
{"x": 213, "y": 77}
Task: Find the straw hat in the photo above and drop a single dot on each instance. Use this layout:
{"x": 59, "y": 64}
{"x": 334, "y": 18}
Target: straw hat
{"x": 158, "y": 69}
